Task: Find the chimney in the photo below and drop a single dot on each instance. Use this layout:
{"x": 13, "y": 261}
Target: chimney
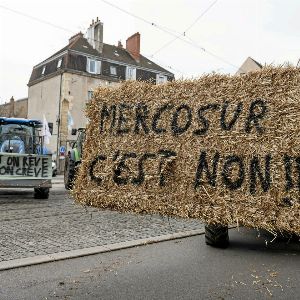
{"x": 12, "y": 107}
{"x": 95, "y": 35}
{"x": 133, "y": 46}
{"x": 75, "y": 37}
{"x": 120, "y": 44}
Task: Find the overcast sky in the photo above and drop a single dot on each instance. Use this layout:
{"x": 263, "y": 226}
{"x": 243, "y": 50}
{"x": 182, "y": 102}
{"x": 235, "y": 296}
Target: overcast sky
{"x": 220, "y": 40}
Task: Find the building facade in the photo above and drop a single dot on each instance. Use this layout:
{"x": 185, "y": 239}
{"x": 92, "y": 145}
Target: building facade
{"x": 15, "y": 108}
{"x": 61, "y": 86}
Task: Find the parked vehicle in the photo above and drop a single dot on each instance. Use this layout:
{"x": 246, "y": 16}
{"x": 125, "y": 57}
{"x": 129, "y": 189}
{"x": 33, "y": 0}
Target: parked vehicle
{"x": 73, "y": 159}
{"x": 24, "y": 161}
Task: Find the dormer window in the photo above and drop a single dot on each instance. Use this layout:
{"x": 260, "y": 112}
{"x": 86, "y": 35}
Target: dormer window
{"x": 59, "y": 63}
{"x": 113, "y": 70}
{"x": 131, "y": 73}
{"x": 93, "y": 66}
{"x": 44, "y": 69}
{"x": 161, "y": 79}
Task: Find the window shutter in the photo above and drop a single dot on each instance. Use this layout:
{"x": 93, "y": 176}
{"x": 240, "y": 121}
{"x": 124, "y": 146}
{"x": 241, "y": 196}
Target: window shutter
{"x": 133, "y": 74}
{"x": 88, "y": 65}
{"x": 98, "y": 67}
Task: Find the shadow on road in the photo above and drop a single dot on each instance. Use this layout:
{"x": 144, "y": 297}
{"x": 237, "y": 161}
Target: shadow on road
{"x": 263, "y": 241}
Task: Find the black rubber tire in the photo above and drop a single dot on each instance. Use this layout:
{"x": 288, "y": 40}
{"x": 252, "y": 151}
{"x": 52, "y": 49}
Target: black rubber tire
{"x": 69, "y": 173}
{"x": 217, "y": 236}
{"x": 41, "y": 193}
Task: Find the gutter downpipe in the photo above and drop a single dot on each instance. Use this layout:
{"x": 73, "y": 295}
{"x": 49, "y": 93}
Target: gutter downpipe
{"x": 58, "y": 125}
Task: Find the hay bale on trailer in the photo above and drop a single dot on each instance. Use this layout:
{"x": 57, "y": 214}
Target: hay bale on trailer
{"x": 224, "y": 149}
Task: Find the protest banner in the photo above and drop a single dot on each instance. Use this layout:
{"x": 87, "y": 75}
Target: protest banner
{"x": 224, "y": 149}
{"x": 15, "y": 166}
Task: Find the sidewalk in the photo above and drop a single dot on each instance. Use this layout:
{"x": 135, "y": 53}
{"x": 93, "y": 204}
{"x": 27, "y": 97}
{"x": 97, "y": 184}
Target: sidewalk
{"x": 35, "y": 231}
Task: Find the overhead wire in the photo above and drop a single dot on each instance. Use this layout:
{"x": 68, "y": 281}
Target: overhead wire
{"x": 200, "y": 16}
{"x": 164, "y": 29}
{"x": 194, "y": 44}
{"x": 60, "y": 27}
{"x": 186, "y": 30}
{"x": 154, "y": 24}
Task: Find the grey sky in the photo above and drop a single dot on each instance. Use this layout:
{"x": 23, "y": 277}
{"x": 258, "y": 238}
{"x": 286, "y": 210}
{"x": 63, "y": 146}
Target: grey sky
{"x": 232, "y": 30}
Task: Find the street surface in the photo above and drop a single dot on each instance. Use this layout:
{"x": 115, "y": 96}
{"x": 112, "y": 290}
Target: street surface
{"x": 177, "y": 269}
{"x": 31, "y": 227}
{"x": 253, "y": 267}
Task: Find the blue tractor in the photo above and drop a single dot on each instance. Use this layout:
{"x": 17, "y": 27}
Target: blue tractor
{"x": 24, "y": 160}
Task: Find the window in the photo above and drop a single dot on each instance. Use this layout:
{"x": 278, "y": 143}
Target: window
{"x": 44, "y": 69}
{"x": 131, "y": 73}
{"x": 93, "y": 66}
{"x": 59, "y": 63}
{"x": 113, "y": 70}
{"x": 90, "y": 95}
{"x": 161, "y": 79}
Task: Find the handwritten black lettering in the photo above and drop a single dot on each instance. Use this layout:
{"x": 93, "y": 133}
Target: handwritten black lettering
{"x": 141, "y": 175}
{"x": 257, "y": 111}
{"x": 255, "y": 171}
{"x": 226, "y": 173}
{"x": 163, "y": 168}
{"x": 123, "y": 118}
{"x": 176, "y": 129}
{"x": 120, "y": 168}
{"x": 157, "y": 117}
{"x": 202, "y": 120}
{"x": 211, "y": 175}
{"x": 141, "y": 117}
{"x": 228, "y": 125}
{"x": 92, "y": 166}
{"x": 107, "y": 112}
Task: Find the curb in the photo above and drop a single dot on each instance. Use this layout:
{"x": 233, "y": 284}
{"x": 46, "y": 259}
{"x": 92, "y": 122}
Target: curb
{"x": 40, "y": 259}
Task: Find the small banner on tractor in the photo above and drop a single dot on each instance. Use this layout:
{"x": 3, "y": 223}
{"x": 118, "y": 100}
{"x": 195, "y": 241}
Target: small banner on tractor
{"x": 224, "y": 149}
{"x": 24, "y": 166}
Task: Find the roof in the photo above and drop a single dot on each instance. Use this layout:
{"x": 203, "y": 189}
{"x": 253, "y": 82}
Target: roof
{"x": 249, "y": 65}
{"x": 82, "y": 45}
{"x": 21, "y": 121}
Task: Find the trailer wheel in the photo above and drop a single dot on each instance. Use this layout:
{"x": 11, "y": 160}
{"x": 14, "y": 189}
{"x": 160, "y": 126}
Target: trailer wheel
{"x": 41, "y": 193}
{"x": 69, "y": 173}
{"x": 217, "y": 236}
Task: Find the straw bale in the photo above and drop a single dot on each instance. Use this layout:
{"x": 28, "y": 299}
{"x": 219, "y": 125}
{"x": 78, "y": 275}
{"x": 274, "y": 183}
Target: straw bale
{"x": 224, "y": 149}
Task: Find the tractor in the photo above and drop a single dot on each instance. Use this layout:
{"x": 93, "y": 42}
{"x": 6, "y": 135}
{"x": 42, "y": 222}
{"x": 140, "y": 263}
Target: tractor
{"x": 73, "y": 159}
{"x": 24, "y": 160}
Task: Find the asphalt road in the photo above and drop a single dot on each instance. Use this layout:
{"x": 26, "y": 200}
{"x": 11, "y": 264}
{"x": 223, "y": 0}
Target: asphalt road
{"x": 180, "y": 269}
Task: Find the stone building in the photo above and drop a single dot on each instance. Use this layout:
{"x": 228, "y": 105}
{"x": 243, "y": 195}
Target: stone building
{"x": 15, "y": 108}
{"x": 61, "y": 86}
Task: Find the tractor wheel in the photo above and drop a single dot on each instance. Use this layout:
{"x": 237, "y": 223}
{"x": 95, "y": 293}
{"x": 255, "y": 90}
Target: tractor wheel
{"x": 69, "y": 173}
{"x": 217, "y": 236}
{"x": 41, "y": 193}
